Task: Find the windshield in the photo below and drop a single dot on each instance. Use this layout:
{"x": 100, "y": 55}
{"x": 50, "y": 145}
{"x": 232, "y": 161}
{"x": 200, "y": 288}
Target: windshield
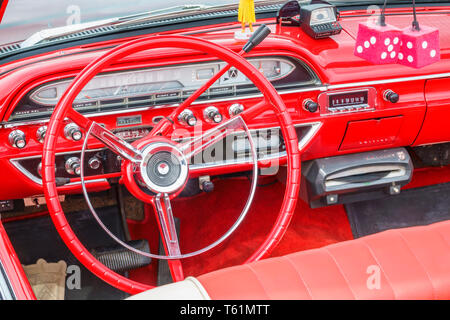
{"x": 23, "y": 18}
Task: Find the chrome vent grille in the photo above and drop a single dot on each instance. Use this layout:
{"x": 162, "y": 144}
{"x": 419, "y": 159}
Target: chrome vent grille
{"x": 9, "y": 48}
{"x": 85, "y": 33}
{"x": 208, "y": 15}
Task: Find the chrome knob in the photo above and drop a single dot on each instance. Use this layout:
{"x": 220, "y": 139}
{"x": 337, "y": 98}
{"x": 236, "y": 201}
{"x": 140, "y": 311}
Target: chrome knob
{"x": 390, "y": 96}
{"x": 212, "y": 114}
{"x": 310, "y": 105}
{"x": 73, "y": 132}
{"x": 40, "y": 134}
{"x": 94, "y": 163}
{"x": 187, "y": 116}
{"x": 39, "y": 169}
{"x": 73, "y": 166}
{"x": 17, "y": 139}
{"x": 235, "y": 109}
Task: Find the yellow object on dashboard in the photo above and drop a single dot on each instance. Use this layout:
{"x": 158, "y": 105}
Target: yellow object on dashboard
{"x": 246, "y": 13}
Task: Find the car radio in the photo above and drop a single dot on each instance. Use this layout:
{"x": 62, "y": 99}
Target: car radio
{"x": 333, "y": 102}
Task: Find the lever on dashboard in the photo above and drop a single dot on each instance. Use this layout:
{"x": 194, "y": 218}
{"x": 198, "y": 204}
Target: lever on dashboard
{"x": 260, "y": 34}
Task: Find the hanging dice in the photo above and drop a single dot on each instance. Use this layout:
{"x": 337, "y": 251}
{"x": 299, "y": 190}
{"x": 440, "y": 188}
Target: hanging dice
{"x": 378, "y": 44}
{"x": 419, "y": 47}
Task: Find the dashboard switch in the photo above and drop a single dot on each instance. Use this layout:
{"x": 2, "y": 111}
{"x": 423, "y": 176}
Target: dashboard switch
{"x": 73, "y": 132}
{"x": 187, "y": 117}
{"x": 391, "y": 96}
{"x": 212, "y": 114}
{"x": 310, "y": 105}
{"x": 40, "y": 134}
{"x": 94, "y": 163}
{"x": 17, "y": 139}
{"x": 73, "y": 166}
{"x": 235, "y": 109}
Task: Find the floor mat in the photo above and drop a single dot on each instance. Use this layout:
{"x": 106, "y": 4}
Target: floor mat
{"x": 48, "y": 280}
{"x": 413, "y": 207}
{"x": 37, "y": 238}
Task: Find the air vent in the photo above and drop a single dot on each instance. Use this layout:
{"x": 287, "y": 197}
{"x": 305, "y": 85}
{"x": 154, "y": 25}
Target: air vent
{"x": 86, "y": 33}
{"x": 9, "y": 48}
{"x": 208, "y": 15}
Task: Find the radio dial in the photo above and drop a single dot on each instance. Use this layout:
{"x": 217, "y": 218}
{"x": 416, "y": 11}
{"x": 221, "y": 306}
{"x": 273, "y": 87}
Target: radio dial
{"x": 17, "y": 139}
{"x": 391, "y": 96}
{"x": 310, "y": 105}
{"x": 94, "y": 163}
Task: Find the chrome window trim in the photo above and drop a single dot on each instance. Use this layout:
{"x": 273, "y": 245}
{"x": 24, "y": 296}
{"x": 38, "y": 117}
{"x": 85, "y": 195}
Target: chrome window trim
{"x": 6, "y": 291}
{"x": 174, "y": 105}
{"x": 315, "y": 126}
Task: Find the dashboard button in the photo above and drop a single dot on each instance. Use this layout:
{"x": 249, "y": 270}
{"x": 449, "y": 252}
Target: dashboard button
{"x": 235, "y": 109}
{"x": 212, "y": 114}
{"x": 187, "y": 117}
{"x": 17, "y": 139}
{"x": 73, "y": 132}
{"x": 310, "y": 105}
{"x": 73, "y": 166}
{"x": 40, "y": 134}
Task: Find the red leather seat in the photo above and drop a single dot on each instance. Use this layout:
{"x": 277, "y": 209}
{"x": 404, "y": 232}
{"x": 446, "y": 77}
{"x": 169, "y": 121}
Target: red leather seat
{"x": 410, "y": 263}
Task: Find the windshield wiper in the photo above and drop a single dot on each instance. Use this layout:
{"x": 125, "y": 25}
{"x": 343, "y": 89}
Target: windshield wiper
{"x": 48, "y": 34}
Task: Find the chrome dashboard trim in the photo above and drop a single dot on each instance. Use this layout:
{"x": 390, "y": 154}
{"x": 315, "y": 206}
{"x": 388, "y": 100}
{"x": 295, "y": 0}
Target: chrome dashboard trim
{"x": 174, "y": 105}
{"x": 6, "y": 289}
{"x": 321, "y": 88}
{"x": 29, "y": 175}
{"x": 315, "y": 126}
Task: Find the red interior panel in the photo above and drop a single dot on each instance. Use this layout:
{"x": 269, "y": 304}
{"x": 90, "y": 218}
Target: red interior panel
{"x": 373, "y": 132}
{"x": 435, "y": 127}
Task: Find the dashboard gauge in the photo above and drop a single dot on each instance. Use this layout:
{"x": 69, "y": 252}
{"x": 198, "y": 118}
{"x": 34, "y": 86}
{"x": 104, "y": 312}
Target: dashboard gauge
{"x": 322, "y": 15}
{"x": 159, "y": 86}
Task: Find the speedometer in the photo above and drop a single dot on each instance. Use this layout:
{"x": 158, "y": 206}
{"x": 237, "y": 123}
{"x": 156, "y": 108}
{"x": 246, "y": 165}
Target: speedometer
{"x": 160, "y": 86}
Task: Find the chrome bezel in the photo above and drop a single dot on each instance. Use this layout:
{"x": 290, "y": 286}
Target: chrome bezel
{"x": 148, "y": 152}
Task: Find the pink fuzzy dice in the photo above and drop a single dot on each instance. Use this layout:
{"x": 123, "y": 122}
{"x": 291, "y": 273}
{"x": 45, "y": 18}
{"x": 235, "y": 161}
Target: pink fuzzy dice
{"x": 419, "y": 48}
{"x": 378, "y": 44}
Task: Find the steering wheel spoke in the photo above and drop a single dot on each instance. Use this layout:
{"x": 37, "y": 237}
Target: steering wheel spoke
{"x": 108, "y": 138}
{"x": 115, "y": 144}
{"x": 168, "y": 231}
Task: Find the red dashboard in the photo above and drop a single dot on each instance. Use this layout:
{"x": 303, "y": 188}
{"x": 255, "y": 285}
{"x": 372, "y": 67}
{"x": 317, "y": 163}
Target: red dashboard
{"x": 372, "y": 122}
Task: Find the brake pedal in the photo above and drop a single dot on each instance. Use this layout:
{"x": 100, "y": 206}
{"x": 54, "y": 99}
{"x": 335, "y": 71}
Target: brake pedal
{"x": 119, "y": 259}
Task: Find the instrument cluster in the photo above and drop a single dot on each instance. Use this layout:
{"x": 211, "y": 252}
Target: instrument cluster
{"x": 160, "y": 86}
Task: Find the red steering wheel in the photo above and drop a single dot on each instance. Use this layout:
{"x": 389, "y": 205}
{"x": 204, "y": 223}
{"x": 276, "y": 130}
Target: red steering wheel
{"x": 158, "y": 142}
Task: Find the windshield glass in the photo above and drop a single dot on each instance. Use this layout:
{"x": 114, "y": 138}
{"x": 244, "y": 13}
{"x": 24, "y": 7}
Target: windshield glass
{"x": 23, "y": 18}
